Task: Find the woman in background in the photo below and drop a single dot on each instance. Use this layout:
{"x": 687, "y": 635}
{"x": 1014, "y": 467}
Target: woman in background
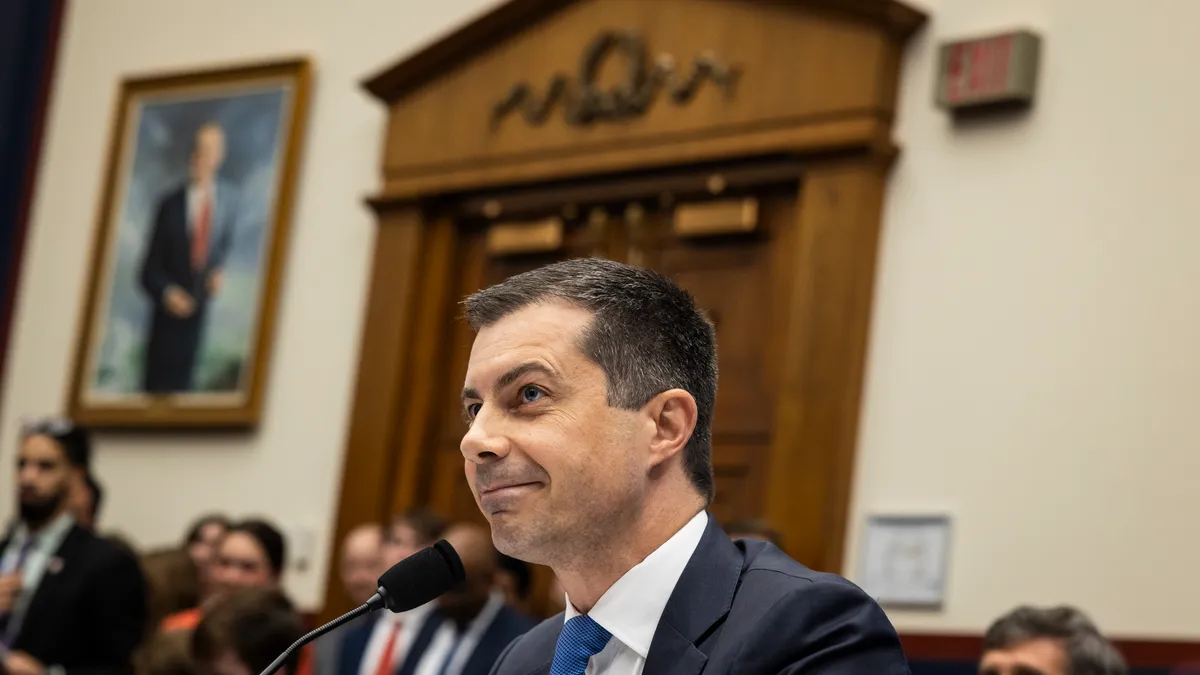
{"x": 251, "y": 554}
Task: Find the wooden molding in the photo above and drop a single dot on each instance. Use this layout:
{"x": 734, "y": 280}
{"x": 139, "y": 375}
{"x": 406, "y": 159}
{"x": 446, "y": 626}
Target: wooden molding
{"x": 823, "y": 126}
{"x": 538, "y": 236}
{"x": 514, "y": 16}
{"x": 707, "y": 219}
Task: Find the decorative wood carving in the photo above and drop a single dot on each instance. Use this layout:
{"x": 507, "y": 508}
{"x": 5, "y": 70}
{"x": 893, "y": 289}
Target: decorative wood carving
{"x": 808, "y": 135}
{"x": 707, "y": 219}
{"x": 584, "y": 102}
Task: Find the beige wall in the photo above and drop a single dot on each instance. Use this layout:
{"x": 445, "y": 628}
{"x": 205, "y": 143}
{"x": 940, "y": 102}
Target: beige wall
{"x": 289, "y": 470}
{"x": 1033, "y": 367}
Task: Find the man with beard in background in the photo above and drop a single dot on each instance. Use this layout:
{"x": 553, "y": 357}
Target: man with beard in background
{"x": 70, "y": 601}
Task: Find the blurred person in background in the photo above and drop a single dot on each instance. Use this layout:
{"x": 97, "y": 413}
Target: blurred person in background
{"x": 69, "y": 600}
{"x": 85, "y": 498}
{"x": 172, "y": 583}
{"x": 360, "y": 565}
{"x": 251, "y": 554}
{"x": 201, "y": 543}
{"x": 390, "y": 641}
{"x": 475, "y": 623}
{"x": 245, "y": 631}
{"x": 1048, "y": 641}
{"x": 166, "y": 654}
{"x": 514, "y": 578}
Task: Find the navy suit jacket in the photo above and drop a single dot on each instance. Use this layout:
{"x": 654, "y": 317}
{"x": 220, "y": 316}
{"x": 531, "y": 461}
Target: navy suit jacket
{"x": 746, "y": 608}
{"x": 354, "y": 645}
{"x": 508, "y": 625}
{"x": 88, "y": 613}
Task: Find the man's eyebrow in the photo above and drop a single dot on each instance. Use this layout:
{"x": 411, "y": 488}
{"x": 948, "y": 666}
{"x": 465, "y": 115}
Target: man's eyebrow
{"x": 513, "y": 374}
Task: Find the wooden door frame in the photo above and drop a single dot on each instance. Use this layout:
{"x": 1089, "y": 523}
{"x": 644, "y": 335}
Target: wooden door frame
{"x": 817, "y": 405}
{"x": 845, "y": 158}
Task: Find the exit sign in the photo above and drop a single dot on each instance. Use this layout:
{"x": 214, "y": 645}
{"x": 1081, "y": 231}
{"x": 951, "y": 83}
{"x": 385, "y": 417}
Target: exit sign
{"x": 990, "y": 71}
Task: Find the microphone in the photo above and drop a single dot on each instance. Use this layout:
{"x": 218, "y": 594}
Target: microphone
{"x": 410, "y": 583}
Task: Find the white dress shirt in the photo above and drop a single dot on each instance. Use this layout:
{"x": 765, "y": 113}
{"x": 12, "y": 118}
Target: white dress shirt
{"x": 411, "y": 622}
{"x": 447, "y": 645}
{"x": 630, "y": 608}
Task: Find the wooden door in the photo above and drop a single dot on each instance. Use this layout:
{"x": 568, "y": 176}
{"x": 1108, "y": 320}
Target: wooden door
{"x": 734, "y": 278}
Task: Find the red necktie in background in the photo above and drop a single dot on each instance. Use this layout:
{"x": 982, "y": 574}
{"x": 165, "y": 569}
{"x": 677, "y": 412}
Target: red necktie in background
{"x": 200, "y": 230}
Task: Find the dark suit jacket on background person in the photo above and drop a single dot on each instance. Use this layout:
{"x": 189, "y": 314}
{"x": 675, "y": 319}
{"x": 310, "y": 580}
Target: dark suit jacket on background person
{"x": 173, "y": 343}
{"x": 506, "y": 625}
{"x": 745, "y": 607}
{"x": 327, "y": 651}
{"x": 88, "y": 612}
{"x": 354, "y": 644}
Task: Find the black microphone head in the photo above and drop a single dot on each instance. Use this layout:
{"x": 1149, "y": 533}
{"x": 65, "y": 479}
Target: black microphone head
{"x": 421, "y": 577}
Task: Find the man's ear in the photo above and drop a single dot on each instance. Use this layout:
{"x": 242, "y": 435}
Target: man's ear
{"x": 673, "y": 413}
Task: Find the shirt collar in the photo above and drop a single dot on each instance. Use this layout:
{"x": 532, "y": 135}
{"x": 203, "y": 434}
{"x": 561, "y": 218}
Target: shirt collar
{"x": 631, "y": 608}
{"x": 53, "y": 533}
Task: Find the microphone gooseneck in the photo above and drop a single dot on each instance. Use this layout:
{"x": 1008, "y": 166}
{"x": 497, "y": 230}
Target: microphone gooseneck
{"x": 420, "y": 578}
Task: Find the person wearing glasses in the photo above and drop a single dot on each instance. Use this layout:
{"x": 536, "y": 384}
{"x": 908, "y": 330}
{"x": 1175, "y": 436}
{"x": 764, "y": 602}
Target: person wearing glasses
{"x": 70, "y": 601}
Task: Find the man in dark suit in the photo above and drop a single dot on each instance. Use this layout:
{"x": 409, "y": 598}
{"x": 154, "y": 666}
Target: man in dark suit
{"x": 71, "y": 603}
{"x": 387, "y": 643}
{"x": 474, "y": 623}
{"x": 183, "y": 262}
{"x": 360, "y": 564}
{"x": 589, "y": 399}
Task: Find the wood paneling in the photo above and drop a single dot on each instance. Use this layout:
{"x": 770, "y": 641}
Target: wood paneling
{"x": 806, "y": 133}
{"x": 829, "y": 282}
{"x": 382, "y": 389}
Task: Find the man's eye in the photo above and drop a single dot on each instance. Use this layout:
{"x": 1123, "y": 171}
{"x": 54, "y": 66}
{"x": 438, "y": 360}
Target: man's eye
{"x": 473, "y": 410}
{"x": 530, "y": 393}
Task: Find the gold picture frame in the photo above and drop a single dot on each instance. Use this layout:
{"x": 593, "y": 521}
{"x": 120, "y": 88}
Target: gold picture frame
{"x": 188, "y": 252}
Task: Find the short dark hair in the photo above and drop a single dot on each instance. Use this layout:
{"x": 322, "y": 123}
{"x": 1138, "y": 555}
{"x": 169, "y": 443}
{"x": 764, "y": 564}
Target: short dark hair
{"x": 256, "y": 624}
{"x": 1088, "y": 651}
{"x": 272, "y": 541}
{"x": 74, "y": 439}
{"x": 647, "y": 335}
{"x": 427, "y": 523}
{"x": 197, "y": 529}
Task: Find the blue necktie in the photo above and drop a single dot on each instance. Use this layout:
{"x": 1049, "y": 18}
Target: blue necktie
{"x": 580, "y": 640}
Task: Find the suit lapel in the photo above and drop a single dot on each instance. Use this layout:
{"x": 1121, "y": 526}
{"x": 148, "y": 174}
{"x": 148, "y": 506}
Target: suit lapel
{"x": 45, "y": 596}
{"x": 547, "y": 641}
{"x": 700, "y": 601}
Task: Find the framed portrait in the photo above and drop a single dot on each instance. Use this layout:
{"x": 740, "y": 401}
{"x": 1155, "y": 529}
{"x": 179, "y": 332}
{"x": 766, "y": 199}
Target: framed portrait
{"x": 188, "y": 253}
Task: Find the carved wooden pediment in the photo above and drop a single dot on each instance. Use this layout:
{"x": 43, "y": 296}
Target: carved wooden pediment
{"x": 536, "y": 82}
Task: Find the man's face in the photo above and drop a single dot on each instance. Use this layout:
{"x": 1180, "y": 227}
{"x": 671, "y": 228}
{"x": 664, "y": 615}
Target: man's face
{"x": 209, "y": 153}
{"x": 43, "y": 479}
{"x": 474, "y": 548}
{"x": 361, "y": 564}
{"x": 1039, "y": 656}
{"x": 552, "y": 466}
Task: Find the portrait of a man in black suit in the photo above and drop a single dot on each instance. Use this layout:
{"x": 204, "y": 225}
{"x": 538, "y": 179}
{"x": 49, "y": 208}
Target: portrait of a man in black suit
{"x": 182, "y": 269}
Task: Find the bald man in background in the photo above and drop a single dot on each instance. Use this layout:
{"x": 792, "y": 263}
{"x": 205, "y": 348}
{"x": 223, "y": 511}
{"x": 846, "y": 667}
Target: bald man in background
{"x": 476, "y": 624}
{"x": 360, "y": 565}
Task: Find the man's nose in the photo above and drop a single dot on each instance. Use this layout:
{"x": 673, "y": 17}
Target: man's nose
{"x": 484, "y": 441}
